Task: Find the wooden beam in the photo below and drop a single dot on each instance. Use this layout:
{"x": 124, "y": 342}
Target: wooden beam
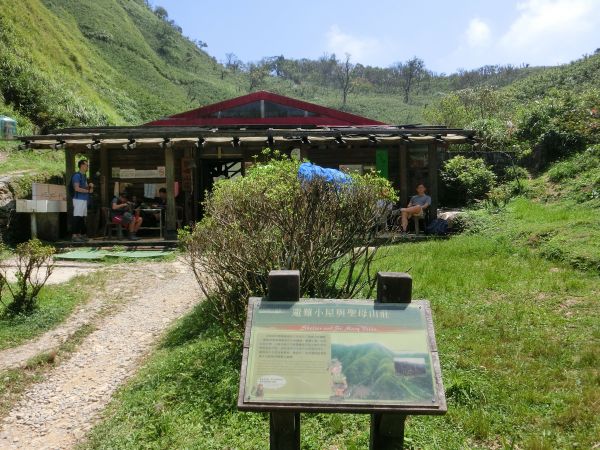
{"x": 199, "y": 132}
{"x": 284, "y": 427}
{"x": 387, "y": 430}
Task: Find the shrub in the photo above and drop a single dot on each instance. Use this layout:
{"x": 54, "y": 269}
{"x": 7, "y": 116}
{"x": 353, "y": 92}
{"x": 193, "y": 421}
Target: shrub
{"x": 34, "y": 265}
{"x": 575, "y": 165}
{"x": 466, "y": 180}
{"x": 270, "y": 220}
{"x": 560, "y": 124}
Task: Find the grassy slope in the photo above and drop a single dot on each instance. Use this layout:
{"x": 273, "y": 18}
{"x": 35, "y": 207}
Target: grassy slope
{"x": 575, "y": 76}
{"x": 560, "y": 218}
{"x": 516, "y": 335}
{"x": 103, "y": 56}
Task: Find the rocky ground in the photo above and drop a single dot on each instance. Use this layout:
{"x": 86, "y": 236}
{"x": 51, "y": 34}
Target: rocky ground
{"x": 57, "y": 412}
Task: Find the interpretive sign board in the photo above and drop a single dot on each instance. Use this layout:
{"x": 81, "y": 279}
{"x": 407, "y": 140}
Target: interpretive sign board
{"x": 340, "y": 355}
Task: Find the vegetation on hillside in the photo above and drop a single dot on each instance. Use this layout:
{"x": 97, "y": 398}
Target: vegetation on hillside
{"x": 68, "y": 62}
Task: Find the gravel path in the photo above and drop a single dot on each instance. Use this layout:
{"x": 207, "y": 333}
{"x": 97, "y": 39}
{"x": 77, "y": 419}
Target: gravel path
{"x": 63, "y": 270}
{"x": 58, "y": 412}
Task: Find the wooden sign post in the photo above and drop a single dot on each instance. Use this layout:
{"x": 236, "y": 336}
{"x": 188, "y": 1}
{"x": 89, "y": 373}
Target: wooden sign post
{"x": 340, "y": 356}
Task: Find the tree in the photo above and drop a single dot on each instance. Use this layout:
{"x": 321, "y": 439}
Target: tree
{"x": 232, "y": 62}
{"x": 34, "y": 264}
{"x": 345, "y": 72}
{"x": 161, "y": 13}
{"x": 256, "y": 74}
{"x": 410, "y": 73}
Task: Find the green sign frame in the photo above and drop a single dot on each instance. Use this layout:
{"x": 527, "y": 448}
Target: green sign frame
{"x": 331, "y": 355}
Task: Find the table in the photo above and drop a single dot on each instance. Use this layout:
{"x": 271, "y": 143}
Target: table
{"x": 160, "y": 220}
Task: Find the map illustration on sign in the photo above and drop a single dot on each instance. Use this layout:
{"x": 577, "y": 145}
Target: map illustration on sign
{"x": 339, "y": 351}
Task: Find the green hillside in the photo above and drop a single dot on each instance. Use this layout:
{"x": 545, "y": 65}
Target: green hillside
{"x": 102, "y": 62}
{"x": 84, "y": 62}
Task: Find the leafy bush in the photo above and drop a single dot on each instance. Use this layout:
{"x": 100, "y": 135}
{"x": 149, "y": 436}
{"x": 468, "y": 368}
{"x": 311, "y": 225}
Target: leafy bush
{"x": 579, "y": 163}
{"x": 34, "y": 265}
{"x": 560, "y": 124}
{"x": 270, "y": 219}
{"x": 466, "y": 180}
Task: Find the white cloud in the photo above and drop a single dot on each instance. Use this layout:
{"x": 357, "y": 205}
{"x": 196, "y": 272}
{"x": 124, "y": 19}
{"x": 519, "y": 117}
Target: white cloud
{"x": 544, "y": 32}
{"x": 365, "y": 50}
{"x": 478, "y": 33}
{"x": 550, "y": 31}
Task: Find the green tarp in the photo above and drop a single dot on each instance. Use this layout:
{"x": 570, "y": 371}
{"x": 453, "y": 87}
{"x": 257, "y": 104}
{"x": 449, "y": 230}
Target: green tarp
{"x": 95, "y": 254}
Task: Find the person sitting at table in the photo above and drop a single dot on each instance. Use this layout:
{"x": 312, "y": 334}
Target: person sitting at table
{"x": 160, "y": 202}
{"x": 124, "y": 214}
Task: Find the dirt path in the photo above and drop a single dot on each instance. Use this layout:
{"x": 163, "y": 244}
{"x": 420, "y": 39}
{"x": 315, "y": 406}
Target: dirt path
{"x": 63, "y": 270}
{"x": 58, "y": 412}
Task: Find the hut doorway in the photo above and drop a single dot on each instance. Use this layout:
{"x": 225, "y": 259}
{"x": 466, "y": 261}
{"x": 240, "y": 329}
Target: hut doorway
{"x": 214, "y": 170}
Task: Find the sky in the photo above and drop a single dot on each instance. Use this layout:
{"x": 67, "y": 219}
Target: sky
{"x": 447, "y": 34}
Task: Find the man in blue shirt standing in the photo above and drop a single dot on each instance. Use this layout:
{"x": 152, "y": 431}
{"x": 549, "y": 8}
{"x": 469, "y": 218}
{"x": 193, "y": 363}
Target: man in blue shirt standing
{"x": 81, "y": 191}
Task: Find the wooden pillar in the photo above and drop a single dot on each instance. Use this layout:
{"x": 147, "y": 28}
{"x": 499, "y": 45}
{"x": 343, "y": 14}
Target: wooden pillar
{"x": 69, "y": 171}
{"x": 188, "y": 153}
{"x": 171, "y": 211}
{"x": 104, "y": 177}
{"x": 387, "y": 430}
{"x": 433, "y": 180}
{"x": 284, "y": 427}
{"x": 196, "y": 184}
{"x": 403, "y": 174}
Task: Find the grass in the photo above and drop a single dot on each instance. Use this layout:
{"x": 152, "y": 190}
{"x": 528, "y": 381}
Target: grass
{"x": 48, "y": 162}
{"x": 517, "y": 335}
{"x": 55, "y": 304}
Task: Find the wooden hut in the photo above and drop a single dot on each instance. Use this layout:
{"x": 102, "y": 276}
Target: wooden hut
{"x": 186, "y": 152}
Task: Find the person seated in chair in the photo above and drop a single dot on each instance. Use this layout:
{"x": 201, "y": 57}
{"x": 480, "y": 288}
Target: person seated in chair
{"x": 416, "y": 206}
{"x": 123, "y": 213}
{"x": 160, "y": 202}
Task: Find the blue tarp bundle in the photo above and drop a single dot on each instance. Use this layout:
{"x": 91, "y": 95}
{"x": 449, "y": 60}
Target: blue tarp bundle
{"x": 308, "y": 171}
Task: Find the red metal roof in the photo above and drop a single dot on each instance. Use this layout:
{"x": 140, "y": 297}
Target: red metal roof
{"x": 319, "y": 115}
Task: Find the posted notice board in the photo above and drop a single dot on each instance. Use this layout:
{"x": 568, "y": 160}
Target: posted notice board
{"x": 358, "y": 354}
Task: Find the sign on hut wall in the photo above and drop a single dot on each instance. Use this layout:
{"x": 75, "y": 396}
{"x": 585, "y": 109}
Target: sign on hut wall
{"x": 117, "y": 172}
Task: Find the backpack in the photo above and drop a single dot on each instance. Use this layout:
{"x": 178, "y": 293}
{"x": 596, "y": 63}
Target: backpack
{"x": 71, "y": 188}
{"x": 438, "y": 227}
